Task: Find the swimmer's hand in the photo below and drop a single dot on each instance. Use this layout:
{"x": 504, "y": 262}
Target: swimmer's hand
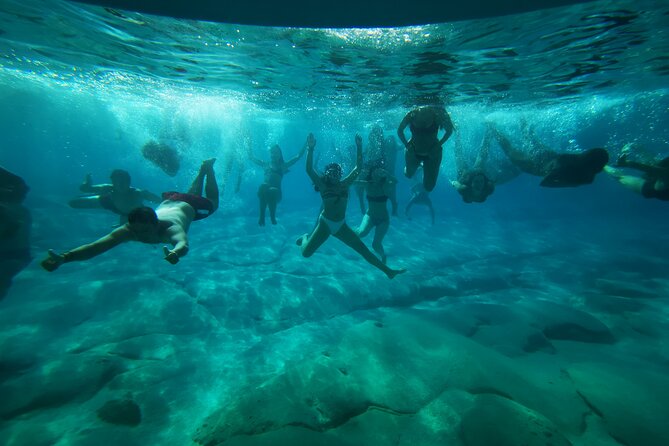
{"x": 53, "y": 261}
{"x": 358, "y": 140}
{"x": 311, "y": 141}
{"x": 170, "y": 255}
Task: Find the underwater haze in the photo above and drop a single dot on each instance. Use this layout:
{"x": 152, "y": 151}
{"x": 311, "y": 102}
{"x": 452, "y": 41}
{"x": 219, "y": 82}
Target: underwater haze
{"x": 539, "y": 317}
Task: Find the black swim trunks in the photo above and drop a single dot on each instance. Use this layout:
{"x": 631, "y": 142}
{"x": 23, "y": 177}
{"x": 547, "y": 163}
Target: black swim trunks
{"x": 648, "y": 191}
{"x": 107, "y": 202}
{"x": 203, "y": 206}
{"x": 379, "y": 199}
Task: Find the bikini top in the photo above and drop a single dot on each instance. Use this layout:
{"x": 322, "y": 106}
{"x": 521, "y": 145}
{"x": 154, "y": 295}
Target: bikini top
{"x": 434, "y": 128}
{"x": 338, "y": 194}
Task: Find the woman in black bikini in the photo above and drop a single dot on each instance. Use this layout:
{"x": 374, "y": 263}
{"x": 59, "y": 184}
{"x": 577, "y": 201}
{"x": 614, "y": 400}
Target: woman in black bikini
{"x": 424, "y": 147}
{"x": 269, "y": 192}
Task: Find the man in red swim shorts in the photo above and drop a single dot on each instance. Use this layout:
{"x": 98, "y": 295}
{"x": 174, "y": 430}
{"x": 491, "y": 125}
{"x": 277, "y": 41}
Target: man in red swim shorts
{"x": 169, "y": 223}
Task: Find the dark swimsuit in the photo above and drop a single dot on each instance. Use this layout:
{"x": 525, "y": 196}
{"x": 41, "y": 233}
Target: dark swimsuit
{"x": 107, "y": 202}
{"x": 433, "y": 129}
{"x": 379, "y": 199}
{"x": 648, "y": 191}
{"x": 203, "y": 206}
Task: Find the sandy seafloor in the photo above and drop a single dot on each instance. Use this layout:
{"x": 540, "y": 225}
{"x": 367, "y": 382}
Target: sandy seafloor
{"x": 508, "y": 329}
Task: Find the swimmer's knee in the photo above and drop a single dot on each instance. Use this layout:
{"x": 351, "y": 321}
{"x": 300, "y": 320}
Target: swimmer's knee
{"x": 430, "y": 185}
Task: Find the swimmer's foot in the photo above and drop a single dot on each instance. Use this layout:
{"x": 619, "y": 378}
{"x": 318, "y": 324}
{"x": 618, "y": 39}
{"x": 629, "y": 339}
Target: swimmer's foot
{"x": 273, "y": 220}
{"x": 393, "y": 272}
{"x": 301, "y": 239}
{"x": 261, "y": 222}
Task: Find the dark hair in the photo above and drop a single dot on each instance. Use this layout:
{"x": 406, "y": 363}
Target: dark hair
{"x": 333, "y": 167}
{"x": 276, "y": 148}
{"x": 143, "y": 214}
{"x": 120, "y": 174}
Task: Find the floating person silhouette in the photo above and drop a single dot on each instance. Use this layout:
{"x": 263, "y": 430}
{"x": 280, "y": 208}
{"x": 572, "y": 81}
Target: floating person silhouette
{"x": 557, "y": 169}
{"x": 15, "y": 223}
{"x": 118, "y": 197}
{"x": 169, "y": 223}
{"x": 473, "y": 183}
{"x": 332, "y": 221}
{"x": 378, "y": 184}
{"x": 424, "y": 147}
{"x": 655, "y": 180}
{"x": 162, "y": 156}
{"x": 372, "y": 156}
{"x": 269, "y": 192}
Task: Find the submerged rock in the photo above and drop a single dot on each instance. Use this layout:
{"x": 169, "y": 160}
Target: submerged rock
{"x": 163, "y": 156}
{"x": 124, "y": 412}
{"x": 15, "y": 222}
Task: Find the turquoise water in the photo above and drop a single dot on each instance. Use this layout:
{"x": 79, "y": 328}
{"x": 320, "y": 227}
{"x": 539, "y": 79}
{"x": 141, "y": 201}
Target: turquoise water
{"x": 536, "y": 318}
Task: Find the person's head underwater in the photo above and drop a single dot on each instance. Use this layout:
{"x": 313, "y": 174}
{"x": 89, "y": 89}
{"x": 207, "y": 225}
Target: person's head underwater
{"x": 375, "y": 137}
{"x": 332, "y": 173}
{"x": 478, "y": 182}
{"x": 143, "y": 221}
{"x": 120, "y": 179}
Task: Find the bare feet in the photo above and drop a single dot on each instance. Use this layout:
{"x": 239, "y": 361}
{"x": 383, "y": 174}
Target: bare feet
{"x": 393, "y": 272}
{"x": 301, "y": 239}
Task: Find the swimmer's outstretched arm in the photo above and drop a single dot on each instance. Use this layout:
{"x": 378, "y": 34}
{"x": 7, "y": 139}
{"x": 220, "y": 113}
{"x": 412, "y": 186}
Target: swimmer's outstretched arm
{"x": 88, "y": 187}
{"x": 88, "y": 251}
{"x": 350, "y": 178}
{"x": 297, "y": 157}
{"x": 311, "y": 144}
{"x": 179, "y": 240}
{"x": 445, "y": 123}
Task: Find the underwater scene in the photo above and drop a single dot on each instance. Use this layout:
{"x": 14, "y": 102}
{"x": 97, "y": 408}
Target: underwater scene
{"x": 443, "y": 234}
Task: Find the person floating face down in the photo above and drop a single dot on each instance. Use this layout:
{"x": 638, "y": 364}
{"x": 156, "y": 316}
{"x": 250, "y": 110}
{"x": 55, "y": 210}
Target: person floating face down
{"x": 332, "y": 221}
{"x": 473, "y": 184}
{"x": 269, "y": 192}
{"x": 557, "y": 169}
{"x": 169, "y": 223}
{"x": 425, "y": 147}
